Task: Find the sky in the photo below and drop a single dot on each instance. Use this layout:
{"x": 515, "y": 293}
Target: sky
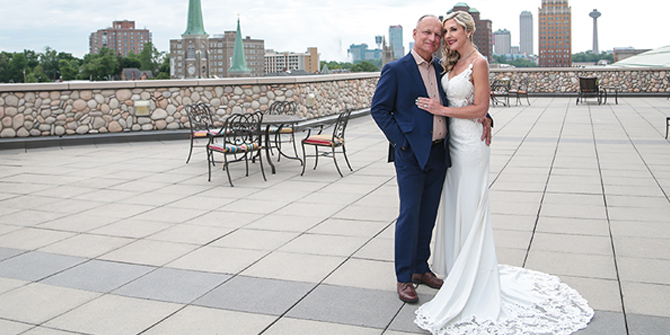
{"x": 295, "y": 25}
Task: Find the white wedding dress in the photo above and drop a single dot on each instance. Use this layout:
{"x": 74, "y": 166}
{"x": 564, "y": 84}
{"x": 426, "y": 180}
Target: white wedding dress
{"x": 479, "y": 296}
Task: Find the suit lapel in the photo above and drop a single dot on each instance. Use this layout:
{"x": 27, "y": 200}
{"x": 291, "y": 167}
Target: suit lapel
{"x": 413, "y": 70}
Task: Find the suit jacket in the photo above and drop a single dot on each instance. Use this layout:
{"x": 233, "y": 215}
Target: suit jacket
{"x": 394, "y": 107}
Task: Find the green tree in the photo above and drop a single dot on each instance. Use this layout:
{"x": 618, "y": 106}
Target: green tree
{"x": 69, "y": 69}
{"x": 151, "y": 59}
{"x": 5, "y": 57}
{"x": 364, "y": 66}
{"x": 101, "y": 66}
{"x": 18, "y": 68}
{"x": 49, "y": 61}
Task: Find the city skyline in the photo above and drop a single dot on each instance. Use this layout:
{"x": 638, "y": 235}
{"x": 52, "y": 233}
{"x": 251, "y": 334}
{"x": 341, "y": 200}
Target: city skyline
{"x": 329, "y": 26}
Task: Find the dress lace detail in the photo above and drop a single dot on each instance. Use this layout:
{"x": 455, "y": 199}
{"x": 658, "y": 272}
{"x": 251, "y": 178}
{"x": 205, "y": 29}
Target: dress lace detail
{"x": 479, "y": 296}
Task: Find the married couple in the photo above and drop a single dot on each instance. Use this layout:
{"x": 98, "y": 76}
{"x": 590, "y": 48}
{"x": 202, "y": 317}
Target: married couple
{"x": 435, "y": 118}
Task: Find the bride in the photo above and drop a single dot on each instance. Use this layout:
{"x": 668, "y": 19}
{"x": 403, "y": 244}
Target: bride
{"x": 478, "y": 295}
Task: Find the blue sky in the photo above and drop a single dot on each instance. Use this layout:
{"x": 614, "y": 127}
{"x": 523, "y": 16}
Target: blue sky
{"x": 295, "y": 25}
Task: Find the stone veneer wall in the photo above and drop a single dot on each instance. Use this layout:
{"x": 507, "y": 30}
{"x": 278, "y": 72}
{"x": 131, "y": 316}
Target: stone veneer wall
{"x": 566, "y": 80}
{"x": 79, "y": 108}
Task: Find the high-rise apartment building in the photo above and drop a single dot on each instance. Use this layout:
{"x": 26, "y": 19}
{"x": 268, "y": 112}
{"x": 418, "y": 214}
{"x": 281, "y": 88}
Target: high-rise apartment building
{"x": 526, "y": 33}
{"x": 122, "y": 37}
{"x": 290, "y": 61}
{"x": 484, "y": 32}
{"x": 196, "y": 55}
{"x": 360, "y": 52}
{"x": 503, "y": 42}
{"x": 555, "y": 34}
{"x": 395, "y": 41}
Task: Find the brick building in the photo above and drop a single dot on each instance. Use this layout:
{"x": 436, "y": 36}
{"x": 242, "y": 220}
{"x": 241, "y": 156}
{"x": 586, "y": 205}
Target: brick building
{"x": 555, "y": 34}
{"x": 122, "y": 37}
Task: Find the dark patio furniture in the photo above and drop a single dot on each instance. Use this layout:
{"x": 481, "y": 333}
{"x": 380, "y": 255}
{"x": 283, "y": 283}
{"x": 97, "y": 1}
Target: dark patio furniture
{"x": 282, "y": 133}
{"x": 200, "y": 122}
{"x": 327, "y": 142}
{"x": 667, "y": 126}
{"x": 589, "y": 88}
{"x": 500, "y": 90}
{"x": 521, "y": 91}
{"x": 242, "y": 138}
{"x": 277, "y": 121}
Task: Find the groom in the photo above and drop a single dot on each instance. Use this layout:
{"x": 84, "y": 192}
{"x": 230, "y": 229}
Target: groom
{"x": 419, "y": 150}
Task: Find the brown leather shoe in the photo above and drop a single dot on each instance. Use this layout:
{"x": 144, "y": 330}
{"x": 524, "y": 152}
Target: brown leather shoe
{"x": 407, "y": 293}
{"x": 427, "y": 278}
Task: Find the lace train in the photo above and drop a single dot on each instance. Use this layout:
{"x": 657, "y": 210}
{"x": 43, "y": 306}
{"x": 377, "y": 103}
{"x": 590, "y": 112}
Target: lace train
{"x": 562, "y": 311}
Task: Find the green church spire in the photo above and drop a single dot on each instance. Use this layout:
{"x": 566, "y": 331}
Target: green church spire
{"x": 194, "y": 25}
{"x": 239, "y": 65}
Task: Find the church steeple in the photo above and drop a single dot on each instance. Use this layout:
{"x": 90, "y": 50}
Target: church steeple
{"x": 239, "y": 66}
{"x": 195, "y": 25}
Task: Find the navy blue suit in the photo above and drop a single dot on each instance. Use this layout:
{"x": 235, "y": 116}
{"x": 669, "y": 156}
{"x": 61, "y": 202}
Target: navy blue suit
{"x": 420, "y": 167}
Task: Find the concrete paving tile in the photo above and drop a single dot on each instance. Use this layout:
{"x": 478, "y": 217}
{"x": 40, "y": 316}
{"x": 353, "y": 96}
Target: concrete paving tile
{"x": 11, "y": 327}
{"x": 36, "y": 303}
{"x": 106, "y": 195}
{"x": 172, "y": 285}
{"x": 646, "y": 299}
{"x": 33, "y": 266}
{"x": 644, "y": 270}
{"x": 634, "y": 191}
{"x": 349, "y": 227}
{"x": 286, "y": 223}
{"x": 308, "y": 327}
{"x": 225, "y": 219}
{"x": 6, "y": 253}
{"x": 86, "y": 245}
{"x": 576, "y": 226}
{"x": 571, "y": 264}
{"x": 642, "y": 247}
{"x": 29, "y": 218}
{"x": 640, "y": 229}
{"x": 514, "y": 207}
{"x": 328, "y": 245}
{"x": 27, "y": 201}
{"x": 513, "y": 222}
{"x": 574, "y": 211}
{"x": 367, "y": 213}
{"x": 627, "y": 201}
{"x": 604, "y": 322}
{"x": 660, "y": 214}
{"x": 602, "y": 294}
{"x": 346, "y": 305}
{"x": 218, "y": 260}
{"x": 256, "y": 295}
{"x": 593, "y": 188}
{"x": 47, "y": 331}
{"x": 512, "y": 239}
{"x": 255, "y": 239}
{"x": 7, "y": 210}
{"x": 111, "y": 314}
{"x": 8, "y": 284}
{"x": 364, "y": 273}
{"x": 379, "y": 249}
{"x": 118, "y": 210}
{"x": 404, "y": 321}
{"x": 146, "y": 252}
{"x": 78, "y": 223}
{"x": 322, "y": 211}
{"x": 98, "y": 276}
{"x": 647, "y": 325}
{"x": 71, "y": 206}
{"x": 201, "y": 202}
{"x": 31, "y": 238}
{"x": 155, "y": 198}
{"x": 518, "y": 187}
{"x": 170, "y": 215}
{"x": 295, "y": 267}
{"x": 131, "y": 228}
{"x": 190, "y": 233}
{"x": 568, "y": 243}
{"x": 510, "y": 256}
{"x": 202, "y": 320}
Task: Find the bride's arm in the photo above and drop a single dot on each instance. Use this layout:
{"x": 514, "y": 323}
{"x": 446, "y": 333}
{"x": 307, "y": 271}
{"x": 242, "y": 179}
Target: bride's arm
{"x": 480, "y": 106}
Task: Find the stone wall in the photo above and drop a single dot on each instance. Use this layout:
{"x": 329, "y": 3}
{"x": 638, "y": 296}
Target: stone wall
{"x": 566, "y": 80}
{"x": 79, "y": 108}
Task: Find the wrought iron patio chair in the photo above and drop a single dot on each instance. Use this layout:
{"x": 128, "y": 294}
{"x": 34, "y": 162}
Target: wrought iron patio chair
{"x": 327, "y": 142}
{"x": 242, "y": 138}
{"x": 282, "y": 108}
{"x": 521, "y": 91}
{"x": 500, "y": 90}
{"x": 200, "y": 122}
{"x": 589, "y": 88}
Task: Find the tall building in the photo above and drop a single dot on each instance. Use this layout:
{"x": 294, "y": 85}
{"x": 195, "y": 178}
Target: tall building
{"x": 122, "y": 37}
{"x": 484, "y": 32}
{"x": 196, "y": 55}
{"x": 290, "y": 61}
{"x": 360, "y": 52}
{"x": 595, "y": 14}
{"x": 555, "y": 40}
{"x": 503, "y": 42}
{"x": 526, "y": 33}
{"x": 395, "y": 41}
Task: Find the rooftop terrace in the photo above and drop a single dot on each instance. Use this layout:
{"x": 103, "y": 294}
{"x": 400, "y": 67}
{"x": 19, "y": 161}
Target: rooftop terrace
{"x": 126, "y": 238}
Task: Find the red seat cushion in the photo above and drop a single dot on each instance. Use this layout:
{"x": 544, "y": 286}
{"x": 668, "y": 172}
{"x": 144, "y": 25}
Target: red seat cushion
{"x": 323, "y": 140}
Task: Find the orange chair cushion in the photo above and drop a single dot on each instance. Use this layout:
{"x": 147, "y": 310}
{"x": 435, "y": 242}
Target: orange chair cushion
{"x": 323, "y": 140}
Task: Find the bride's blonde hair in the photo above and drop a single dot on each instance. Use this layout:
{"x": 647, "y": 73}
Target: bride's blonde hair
{"x": 465, "y": 20}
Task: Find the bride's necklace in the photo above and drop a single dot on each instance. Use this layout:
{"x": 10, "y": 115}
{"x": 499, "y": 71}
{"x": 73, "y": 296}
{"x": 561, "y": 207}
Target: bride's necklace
{"x": 466, "y": 57}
